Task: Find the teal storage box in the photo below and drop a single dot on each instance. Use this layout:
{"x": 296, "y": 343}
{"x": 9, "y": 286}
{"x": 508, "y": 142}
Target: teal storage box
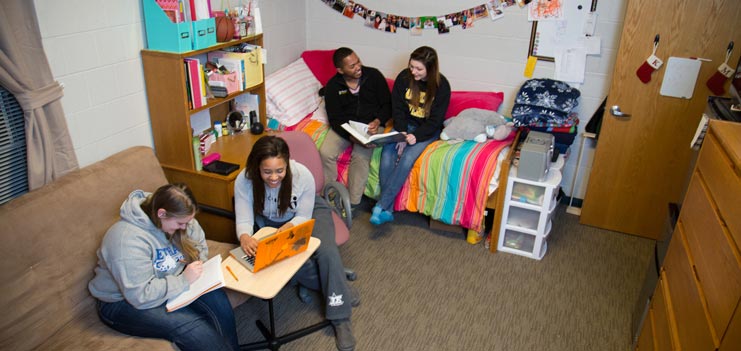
{"x": 163, "y": 34}
{"x": 204, "y": 33}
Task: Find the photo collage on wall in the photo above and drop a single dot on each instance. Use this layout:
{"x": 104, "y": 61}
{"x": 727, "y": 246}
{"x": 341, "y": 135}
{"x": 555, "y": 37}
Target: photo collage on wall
{"x": 392, "y": 23}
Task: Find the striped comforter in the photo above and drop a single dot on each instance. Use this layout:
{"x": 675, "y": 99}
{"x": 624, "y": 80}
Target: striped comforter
{"x": 449, "y": 182}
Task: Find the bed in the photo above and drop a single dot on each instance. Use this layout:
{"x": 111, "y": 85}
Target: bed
{"x": 451, "y": 182}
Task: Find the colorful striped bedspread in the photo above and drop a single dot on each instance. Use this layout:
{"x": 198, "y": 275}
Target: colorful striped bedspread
{"x": 449, "y": 182}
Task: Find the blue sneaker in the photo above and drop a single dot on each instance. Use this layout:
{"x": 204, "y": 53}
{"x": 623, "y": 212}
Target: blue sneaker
{"x": 375, "y": 218}
{"x": 380, "y": 216}
{"x": 386, "y": 216}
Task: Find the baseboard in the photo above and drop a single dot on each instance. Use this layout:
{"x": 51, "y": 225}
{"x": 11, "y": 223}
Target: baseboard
{"x": 575, "y": 208}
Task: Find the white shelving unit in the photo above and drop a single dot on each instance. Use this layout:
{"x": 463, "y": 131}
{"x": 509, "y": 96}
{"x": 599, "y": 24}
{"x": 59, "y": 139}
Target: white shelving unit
{"x": 528, "y": 213}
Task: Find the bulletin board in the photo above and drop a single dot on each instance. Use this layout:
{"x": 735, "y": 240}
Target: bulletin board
{"x": 546, "y": 36}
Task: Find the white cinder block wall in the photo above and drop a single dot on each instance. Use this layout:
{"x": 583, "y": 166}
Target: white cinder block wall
{"x": 93, "y": 48}
{"x": 490, "y": 56}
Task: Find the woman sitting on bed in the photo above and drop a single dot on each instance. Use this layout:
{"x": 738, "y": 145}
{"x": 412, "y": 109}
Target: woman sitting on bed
{"x": 419, "y": 100}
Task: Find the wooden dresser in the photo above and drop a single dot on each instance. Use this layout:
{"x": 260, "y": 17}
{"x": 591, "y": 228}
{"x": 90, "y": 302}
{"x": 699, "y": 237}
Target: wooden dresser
{"x": 696, "y": 304}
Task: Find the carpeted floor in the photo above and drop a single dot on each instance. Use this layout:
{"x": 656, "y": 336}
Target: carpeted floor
{"x": 430, "y": 290}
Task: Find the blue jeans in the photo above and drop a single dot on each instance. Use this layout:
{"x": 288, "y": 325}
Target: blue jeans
{"x": 206, "y": 324}
{"x": 395, "y": 169}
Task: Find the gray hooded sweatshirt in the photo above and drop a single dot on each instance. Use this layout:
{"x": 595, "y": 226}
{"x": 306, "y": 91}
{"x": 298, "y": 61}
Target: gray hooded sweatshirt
{"x": 137, "y": 262}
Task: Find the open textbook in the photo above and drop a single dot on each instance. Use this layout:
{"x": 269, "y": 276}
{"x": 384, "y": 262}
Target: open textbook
{"x": 211, "y": 279}
{"x": 360, "y": 132}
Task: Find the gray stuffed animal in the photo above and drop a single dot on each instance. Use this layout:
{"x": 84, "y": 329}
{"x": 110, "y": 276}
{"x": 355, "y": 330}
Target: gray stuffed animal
{"x": 476, "y": 124}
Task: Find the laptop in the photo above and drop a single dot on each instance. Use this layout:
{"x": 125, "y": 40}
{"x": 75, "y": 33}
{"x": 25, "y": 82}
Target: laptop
{"x": 274, "y": 246}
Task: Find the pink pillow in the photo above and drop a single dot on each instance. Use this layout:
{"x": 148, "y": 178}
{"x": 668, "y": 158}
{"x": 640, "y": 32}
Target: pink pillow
{"x": 320, "y": 63}
{"x": 461, "y": 100}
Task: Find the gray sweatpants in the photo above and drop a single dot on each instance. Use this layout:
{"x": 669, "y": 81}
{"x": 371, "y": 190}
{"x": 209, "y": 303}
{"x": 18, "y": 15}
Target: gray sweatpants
{"x": 324, "y": 271}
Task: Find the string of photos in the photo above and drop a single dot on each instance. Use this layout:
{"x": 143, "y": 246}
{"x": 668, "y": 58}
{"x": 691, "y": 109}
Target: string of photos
{"x": 387, "y": 22}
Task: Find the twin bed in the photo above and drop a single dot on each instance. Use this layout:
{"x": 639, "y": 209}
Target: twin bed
{"x": 451, "y": 182}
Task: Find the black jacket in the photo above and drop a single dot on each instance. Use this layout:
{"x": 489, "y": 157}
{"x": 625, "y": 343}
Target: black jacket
{"x": 372, "y": 101}
{"x": 425, "y": 127}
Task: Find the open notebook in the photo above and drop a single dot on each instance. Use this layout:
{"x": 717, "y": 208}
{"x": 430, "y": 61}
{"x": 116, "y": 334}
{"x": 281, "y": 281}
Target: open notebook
{"x": 273, "y": 246}
{"x": 211, "y": 279}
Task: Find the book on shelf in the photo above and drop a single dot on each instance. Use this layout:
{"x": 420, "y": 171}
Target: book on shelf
{"x": 194, "y": 75}
{"x": 210, "y": 279}
{"x": 359, "y": 131}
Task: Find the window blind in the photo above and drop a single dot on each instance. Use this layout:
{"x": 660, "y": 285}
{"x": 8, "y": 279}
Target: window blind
{"x": 13, "y": 165}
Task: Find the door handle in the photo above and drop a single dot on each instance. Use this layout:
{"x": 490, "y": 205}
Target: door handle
{"x": 615, "y": 111}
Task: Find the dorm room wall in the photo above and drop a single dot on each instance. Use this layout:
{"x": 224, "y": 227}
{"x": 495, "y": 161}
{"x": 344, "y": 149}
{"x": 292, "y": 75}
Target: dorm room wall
{"x": 96, "y": 57}
{"x": 93, "y": 49}
{"x": 490, "y": 56}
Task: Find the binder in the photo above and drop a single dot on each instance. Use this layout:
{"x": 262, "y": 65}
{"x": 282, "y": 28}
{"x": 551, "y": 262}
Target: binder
{"x": 194, "y": 80}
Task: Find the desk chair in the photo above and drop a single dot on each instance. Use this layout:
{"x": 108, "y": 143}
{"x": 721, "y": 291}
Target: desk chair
{"x": 304, "y": 151}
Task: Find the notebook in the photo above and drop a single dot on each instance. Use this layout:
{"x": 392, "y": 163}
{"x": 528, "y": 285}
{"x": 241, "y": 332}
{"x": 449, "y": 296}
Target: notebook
{"x": 273, "y": 246}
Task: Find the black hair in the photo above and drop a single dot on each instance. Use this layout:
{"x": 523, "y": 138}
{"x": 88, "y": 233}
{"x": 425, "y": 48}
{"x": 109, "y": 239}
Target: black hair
{"x": 340, "y": 55}
{"x": 267, "y": 147}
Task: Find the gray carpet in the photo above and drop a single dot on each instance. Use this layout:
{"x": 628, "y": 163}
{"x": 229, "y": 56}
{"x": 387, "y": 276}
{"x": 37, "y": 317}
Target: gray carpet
{"x": 430, "y": 290}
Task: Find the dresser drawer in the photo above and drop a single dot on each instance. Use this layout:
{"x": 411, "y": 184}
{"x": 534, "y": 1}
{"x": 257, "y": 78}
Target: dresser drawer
{"x": 683, "y": 297}
{"x": 712, "y": 253}
{"x": 646, "y": 338}
{"x": 732, "y": 340}
{"x": 722, "y": 178}
{"x": 660, "y": 314}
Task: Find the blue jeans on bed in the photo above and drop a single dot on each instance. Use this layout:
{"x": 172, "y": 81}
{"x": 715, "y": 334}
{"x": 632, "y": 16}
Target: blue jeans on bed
{"x": 206, "y": 324}
{"x": 395, "y": 169}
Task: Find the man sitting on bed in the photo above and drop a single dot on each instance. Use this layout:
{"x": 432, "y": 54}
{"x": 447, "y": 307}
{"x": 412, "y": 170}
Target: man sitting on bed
{"x": 356, "y": 93}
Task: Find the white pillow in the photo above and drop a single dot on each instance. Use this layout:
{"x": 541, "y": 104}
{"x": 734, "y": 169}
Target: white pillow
{"x": 321, "y": 113}
{"x": 292, "y": 93}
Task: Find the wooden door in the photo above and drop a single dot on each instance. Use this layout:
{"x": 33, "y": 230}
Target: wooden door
{"x": 642, "y": 162}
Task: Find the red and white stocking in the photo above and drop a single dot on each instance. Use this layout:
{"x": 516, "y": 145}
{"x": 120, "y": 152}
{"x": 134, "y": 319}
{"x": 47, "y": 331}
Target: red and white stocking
{"x": 651, "y": 64}
{"x": 718, "y": 80}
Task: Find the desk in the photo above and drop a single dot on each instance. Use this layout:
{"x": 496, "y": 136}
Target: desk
{"x": 265, "y": 284}
{"x": 215, "y": 190}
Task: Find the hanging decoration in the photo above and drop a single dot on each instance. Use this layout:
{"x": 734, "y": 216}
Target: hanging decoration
{"x": 392, "y": 23}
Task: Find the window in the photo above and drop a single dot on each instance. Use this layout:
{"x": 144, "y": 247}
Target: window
{"x": 13, "y": 165}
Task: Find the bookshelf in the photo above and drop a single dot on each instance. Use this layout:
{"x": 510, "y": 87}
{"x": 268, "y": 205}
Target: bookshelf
{"x": 169, "y": 111}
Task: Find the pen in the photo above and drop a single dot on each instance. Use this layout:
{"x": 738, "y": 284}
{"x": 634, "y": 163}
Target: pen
{"x": 232, "y": 273}
{"x": 701, "y": 59}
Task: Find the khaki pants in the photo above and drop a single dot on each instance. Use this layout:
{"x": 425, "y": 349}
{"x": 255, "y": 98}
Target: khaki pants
{"x": 331, "y": 150}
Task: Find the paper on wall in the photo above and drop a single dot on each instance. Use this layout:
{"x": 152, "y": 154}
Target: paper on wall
{"x": 570, "y": 63}
{"x": 592, "y": 44}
